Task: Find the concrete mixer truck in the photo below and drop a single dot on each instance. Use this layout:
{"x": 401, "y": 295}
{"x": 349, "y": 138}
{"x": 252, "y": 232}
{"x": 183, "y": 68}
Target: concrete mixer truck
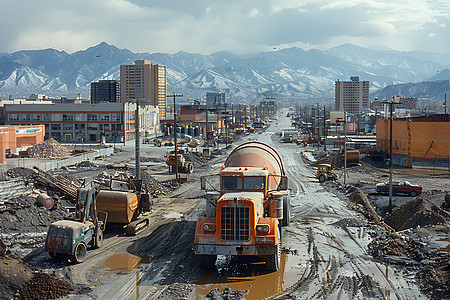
{"x": 246, "y": 214}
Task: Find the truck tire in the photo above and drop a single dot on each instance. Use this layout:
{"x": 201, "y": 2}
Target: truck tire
{"x": 79, "y": 254}
{"x": 323, "y": 178}
{"x": 286, "y": 221}
{"x": 98, "y": 240}
{"x": 273, "y": 261}
{"x": 207, "y": 262}
{"x": 413, "y": 193}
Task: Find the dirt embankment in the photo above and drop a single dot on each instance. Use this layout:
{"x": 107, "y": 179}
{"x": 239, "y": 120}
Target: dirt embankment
{"x": 422, "y": 217}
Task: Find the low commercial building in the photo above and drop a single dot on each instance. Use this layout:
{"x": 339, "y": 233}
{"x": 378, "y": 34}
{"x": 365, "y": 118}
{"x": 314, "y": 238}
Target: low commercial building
{"x": 77, "y": 123}
{"x": 416, "y": 142}
{"x": 14, "y": 137}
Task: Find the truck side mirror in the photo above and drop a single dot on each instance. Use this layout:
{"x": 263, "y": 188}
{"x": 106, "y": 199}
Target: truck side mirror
{"x": 284, "y": 183}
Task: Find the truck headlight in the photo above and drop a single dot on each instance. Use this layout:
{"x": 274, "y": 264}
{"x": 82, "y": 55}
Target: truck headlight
{"x": 262, "y": 228}
{"x": 207, "y": 227}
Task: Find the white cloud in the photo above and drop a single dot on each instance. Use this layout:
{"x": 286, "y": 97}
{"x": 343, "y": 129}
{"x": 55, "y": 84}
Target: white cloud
{"x": 236, "y": 25}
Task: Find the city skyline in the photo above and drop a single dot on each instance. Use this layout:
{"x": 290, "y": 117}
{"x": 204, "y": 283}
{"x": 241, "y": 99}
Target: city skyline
{"x": 237, "y": 26}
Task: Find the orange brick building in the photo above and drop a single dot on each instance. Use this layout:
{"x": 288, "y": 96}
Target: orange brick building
{"x": 13, "y": 137}
{"x": 416, "y": 140}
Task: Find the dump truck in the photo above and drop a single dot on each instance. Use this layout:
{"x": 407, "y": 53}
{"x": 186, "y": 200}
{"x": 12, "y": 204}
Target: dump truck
{"x": 246, "y": 214}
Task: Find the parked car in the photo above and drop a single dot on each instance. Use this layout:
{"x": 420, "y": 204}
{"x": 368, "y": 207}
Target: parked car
{"x": 399, "y": 188}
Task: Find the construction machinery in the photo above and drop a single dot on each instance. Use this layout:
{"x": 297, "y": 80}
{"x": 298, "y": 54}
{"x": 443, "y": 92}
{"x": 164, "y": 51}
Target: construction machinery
{"x": 120, "y": 201}
{"x": 183, "y": 165}
{"x": 71, "y": 238}
{"x": 244, "y": 216}
{"x": 324, "y": 173}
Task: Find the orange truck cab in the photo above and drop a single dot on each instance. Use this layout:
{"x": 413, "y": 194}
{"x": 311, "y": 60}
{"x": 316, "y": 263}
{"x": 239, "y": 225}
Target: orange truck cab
{"x": 245, "y": 218}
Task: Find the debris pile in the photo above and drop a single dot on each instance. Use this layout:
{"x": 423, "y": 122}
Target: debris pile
{"x": 357, "y": 196}
{"x": 227, "y": 293}
{"x": 43, "y": 286}
{"x": 19, "y": 172}
{"x": 48, "y": 149}
{"x": 417, "y": 212}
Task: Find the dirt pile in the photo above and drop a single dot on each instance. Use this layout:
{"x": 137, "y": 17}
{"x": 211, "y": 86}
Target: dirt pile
{"x": 434, "y": 279}
{"x": 48, "y": 149}
{"x": 357, "y": 196}
{"x": 43, "y": 286}
{"x": 416, "y": 212}
{"x": 19, "y": 172}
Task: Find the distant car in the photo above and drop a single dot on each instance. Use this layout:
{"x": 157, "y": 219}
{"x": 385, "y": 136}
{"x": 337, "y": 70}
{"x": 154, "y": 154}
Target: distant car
{"x": 399, "y": 188}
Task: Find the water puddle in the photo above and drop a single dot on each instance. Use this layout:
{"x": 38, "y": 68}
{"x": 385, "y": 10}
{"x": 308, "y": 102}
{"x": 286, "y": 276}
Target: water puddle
{"x": 256, "y": 280}
{"x": 446, "y": 248}
{"x": 123, "y": 263}
{"x": 173, "y": 215}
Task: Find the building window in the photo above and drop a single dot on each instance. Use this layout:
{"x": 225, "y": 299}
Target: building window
{"x": 67, "y": 117}
{"x": 68, "y": 126}
{"x": 36, "y": 117}
{"x": 25, "y": 117}
{"x": 92, "y": 126}
{"x": 55, "y": 127}
{"x": 45, "y": 117}
{"x": 104, "y": 117}
{"x": 92, "y": 117}
{"x": 13, "y": 117}
{"x": 80, "y": 117}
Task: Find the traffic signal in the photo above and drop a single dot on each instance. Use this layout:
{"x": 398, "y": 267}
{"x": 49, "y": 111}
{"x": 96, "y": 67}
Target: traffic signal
{"x": 388, "y": 162}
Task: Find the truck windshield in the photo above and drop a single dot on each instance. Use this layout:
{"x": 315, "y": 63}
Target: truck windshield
{"x": 254, "y": 183}
{"x": 232, "y": 183}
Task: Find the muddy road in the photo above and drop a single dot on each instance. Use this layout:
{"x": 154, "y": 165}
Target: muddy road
{"x": 325, "y": 249}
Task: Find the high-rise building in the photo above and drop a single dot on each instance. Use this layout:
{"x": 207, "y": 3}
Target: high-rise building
{"x": 145, "y": 82}
{"x": 105, "y": 91}
{"x": 351, "y": 96}
{"x": 159, "y": 88}
{"x": 215, "y": 100}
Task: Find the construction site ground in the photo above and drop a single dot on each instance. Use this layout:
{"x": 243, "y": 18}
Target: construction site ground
{"x": 337, "y": 245}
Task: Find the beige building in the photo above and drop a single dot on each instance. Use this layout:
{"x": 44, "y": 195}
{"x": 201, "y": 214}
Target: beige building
{"x": 144, "y": 81}
{"x": 351, "y": 96}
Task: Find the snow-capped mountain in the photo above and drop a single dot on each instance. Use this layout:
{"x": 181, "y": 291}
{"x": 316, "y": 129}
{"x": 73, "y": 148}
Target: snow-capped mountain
{"x": 291, "y": 73}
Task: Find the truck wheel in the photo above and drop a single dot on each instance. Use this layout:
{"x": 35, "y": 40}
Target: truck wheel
{"x": 99, "y": 238}
{"x": 273, "y": 261}
{"x": 190, "y": 168}
{"x": 286, "y": 221}
{"x": 207, "y": 262}
{"x": 323, "y": 178}
{"x": 79, "y": 254}
{"x": 413, "y": 193}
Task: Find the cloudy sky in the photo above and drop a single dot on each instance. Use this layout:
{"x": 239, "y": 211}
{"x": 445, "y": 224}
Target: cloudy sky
{"x": 240, "y": 26}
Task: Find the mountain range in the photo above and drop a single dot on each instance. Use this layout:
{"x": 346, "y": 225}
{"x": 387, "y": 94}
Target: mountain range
{"x": 290, "y": 74}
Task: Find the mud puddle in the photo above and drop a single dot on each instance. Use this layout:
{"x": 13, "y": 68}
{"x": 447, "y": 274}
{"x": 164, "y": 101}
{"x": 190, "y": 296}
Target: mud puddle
{"x": 123, "y": 263}
{"x": 253, "y": 279}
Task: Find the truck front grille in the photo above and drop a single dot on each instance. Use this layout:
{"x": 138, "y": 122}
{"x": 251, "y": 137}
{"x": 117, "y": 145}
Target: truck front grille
{"x": 235, "y": 224}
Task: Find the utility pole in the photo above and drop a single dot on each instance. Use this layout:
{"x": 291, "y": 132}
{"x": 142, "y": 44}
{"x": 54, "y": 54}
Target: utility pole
{"x": 226, "y": 127}
{"x": 345, "y": 148}
{"x": 324, "y": 131}
{"x": 391, "y": 106}
{"x": 137, "y": 145}
{"x": 175, "y": 132}
{"x": 318, "y": 127}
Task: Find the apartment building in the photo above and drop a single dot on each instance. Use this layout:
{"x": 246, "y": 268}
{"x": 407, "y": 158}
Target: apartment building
{"x": 70, "y": 122}
{"x": 352, "y": 96}
{"x": 145, "y": 82}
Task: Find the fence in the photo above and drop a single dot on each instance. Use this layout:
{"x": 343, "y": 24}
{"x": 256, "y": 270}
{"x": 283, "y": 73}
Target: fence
{"x": 47, "y": 165}
{"x": 430, "y": 162}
